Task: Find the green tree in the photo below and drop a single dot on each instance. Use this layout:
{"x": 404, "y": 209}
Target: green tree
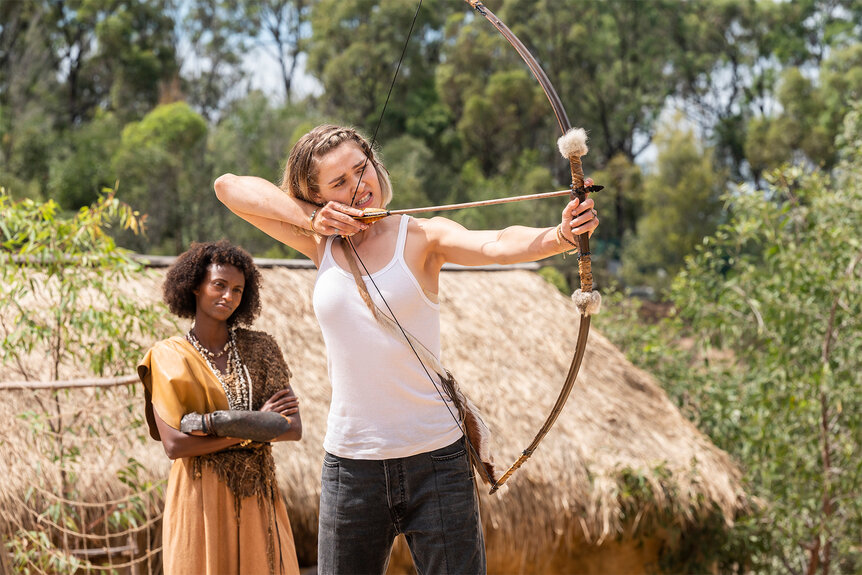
{"x": 680, "y": 206}
{"x": 812, "y": 112}
{"x": 621, "y": 204}
{"x": 81, "y": 165}
{"x": 62, "y": 63}
{"x": 160, "y": 166}
{"x": 252, "y": 137}
{"x": 509, "y": 110}
{"x": 30, "y": 99}
{"x": 106, "y": 52}
{"x": 255, "y": 137}
{"x": 27, "y": 146}
{"x": 496, "y": 106}
{"x": 780, "y": 287}
{"x": 219, "y": 34}
{"x": 755, "y": 43}
{"x": 614, "y": 65}
{"x": 282, "y": 25}
{"x": 354, "y": 51}
{"x": 136, "y": 53}
{"x": 412, "y": 169}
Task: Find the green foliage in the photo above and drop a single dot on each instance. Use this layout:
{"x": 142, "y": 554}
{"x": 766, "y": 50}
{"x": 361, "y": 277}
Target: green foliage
{"x": 779, "y": 287}
{"x": 137, "y": 52}
{"x": 108, "y": 54}
{"x": 411, "y": 168}
{"x": 62, "y": 64}
{"x": 34, "y": 552}
{"x": 155, "y": 165}
{"x": 354, "y": 51}
{"x": 708, "y": 388}
{"x": 682, "y": 207}
{"x": 73, "y": 75}
{"x": 510, "y": 108}
{"x": 70, "y": 266}
{"x": 81, "y": 167}
{"x": 763, "y": 356}
{"x": 526, "y": 177}
{"x": 553, "y": 276}
{"x": 253, "y": 137}
{"x": 614, "y": 64}
{"x": 621, "y": 203}
{"x": 28, "y": 141}
{"x": 219, "y": 34}
{"x": 812, "y": 112}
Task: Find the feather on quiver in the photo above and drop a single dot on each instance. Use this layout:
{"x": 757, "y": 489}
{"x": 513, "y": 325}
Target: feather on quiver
{"x": 469, "y": 418}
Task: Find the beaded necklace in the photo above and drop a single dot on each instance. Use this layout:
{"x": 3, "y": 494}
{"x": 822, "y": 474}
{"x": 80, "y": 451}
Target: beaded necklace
{"x": 235, "y": 380}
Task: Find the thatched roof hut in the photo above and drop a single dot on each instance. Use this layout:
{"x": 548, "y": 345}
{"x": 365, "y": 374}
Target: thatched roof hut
{"x": 614, "y": 487}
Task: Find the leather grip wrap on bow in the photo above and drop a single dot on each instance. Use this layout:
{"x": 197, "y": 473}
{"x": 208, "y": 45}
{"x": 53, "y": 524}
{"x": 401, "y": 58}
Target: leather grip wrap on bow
{"x": 572, "y": 145}
{"x": 586, "y": 300}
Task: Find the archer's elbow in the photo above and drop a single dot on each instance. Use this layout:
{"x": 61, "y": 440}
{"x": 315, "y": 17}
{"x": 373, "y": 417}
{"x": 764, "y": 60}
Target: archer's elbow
{"x": 223, "y": 186}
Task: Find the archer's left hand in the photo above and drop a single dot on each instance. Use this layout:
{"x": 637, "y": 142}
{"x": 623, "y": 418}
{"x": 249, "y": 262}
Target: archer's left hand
{"x": 580, "y": 218}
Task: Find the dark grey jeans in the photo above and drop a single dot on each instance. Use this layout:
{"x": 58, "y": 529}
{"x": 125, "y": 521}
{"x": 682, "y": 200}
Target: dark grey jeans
{"x": 429, "y": 497}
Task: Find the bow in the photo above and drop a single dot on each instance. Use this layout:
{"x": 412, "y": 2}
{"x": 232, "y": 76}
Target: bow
{"x": 572, "y": 146}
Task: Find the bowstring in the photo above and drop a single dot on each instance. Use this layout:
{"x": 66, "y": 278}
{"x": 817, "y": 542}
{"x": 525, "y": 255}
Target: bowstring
{"x": 457, "y": 420}
{"x": 388, "y": 96}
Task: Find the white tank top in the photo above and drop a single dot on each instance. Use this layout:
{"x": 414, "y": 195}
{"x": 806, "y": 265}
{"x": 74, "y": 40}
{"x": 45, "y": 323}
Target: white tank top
{"x": 383, "y": 403}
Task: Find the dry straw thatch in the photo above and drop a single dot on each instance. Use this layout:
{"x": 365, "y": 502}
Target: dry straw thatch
{"x": 620, "y": 466}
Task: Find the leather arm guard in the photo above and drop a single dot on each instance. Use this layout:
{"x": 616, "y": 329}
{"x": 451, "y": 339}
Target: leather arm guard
{"x": 255, "y": 425}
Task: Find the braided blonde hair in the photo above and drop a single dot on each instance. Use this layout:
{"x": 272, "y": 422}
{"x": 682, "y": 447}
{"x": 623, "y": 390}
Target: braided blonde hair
{"x": 300, "y": 174}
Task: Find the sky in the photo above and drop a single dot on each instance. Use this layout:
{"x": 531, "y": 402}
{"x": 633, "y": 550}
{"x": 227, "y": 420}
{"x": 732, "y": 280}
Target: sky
{"x": 266, "y": 76}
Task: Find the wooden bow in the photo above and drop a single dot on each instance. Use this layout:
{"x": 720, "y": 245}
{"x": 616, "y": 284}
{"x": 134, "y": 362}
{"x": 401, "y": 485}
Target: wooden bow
{"x": 572, "y": 146}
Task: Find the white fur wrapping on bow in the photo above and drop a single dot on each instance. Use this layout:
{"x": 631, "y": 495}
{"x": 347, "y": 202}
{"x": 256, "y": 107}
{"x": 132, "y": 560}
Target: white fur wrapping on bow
{"x": 588, "y": 303}
{"x": 573, "y": 143}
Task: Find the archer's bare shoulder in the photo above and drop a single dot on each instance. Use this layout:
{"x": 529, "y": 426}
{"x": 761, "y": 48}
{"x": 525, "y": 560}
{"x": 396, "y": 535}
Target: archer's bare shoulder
{"x": 434, "y": 228}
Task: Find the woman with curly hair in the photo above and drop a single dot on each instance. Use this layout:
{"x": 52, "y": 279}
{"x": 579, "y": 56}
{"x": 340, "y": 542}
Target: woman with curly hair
{"x": 217, "y": 398}
{"x": 398, "y": 453}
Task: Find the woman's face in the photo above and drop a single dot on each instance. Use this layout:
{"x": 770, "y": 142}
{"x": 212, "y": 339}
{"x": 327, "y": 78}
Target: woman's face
{"x": 220, "y": 292}
{"x": 338, "y": 177}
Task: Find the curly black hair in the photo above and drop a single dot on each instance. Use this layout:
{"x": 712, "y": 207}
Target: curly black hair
{"x": 190, "y": 269}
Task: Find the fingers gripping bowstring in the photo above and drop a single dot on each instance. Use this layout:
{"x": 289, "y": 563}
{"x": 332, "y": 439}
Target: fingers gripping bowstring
{"x": 457, "y": 419}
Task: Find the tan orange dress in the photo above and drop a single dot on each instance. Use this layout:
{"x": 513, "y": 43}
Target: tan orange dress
{"x": 204, "y": 531}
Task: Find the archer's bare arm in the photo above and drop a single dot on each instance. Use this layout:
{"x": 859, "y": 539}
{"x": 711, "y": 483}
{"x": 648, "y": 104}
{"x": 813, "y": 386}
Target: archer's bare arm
{"x": 265, "y": 206}
{"x": 449, "y": 242}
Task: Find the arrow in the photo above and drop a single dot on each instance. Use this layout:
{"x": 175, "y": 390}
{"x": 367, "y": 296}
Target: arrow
{"x": 373, "y": 214}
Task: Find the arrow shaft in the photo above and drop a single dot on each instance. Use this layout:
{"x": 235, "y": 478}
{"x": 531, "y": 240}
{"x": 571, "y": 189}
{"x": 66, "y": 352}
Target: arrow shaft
{"x": 374, "y": 216}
